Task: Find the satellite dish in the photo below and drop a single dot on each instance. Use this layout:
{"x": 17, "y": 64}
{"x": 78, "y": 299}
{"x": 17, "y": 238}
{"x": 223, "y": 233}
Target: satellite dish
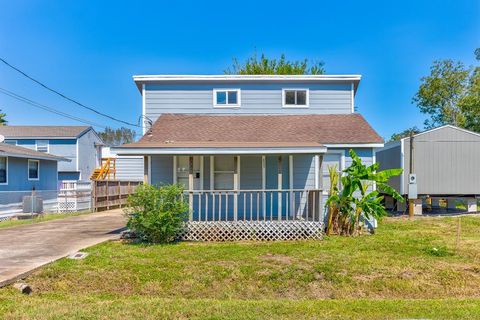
{"x": 2, "y": 138}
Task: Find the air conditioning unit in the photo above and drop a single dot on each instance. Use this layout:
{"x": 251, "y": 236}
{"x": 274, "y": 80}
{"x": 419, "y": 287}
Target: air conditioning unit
{"x": 32, "y": 204}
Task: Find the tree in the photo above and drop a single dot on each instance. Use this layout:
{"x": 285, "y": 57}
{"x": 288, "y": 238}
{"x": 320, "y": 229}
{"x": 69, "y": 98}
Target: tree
{"x": 114, "y": 137}
{"x": 471, "y": 102}
{"x": 450, "y": 94}
{"x": 3, "y": 121}
{"x": 265, "y": 65}
{"x": 404, "y": 133}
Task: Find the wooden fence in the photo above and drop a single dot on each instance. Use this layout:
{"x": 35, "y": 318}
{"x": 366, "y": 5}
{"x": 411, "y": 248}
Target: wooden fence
{"x": 111, "y": 194}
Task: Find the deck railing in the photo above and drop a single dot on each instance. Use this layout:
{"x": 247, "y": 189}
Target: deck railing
{"x": 255, "y": 205}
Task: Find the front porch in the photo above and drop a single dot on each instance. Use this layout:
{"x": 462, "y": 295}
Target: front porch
{"x": 243, "y": 197}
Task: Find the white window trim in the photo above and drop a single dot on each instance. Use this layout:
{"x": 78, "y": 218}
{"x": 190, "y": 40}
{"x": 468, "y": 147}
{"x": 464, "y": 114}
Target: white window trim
{"x": 6, "y": 173}
{"x": 227, "y": 105}
{"x": 48, "y": 145}
{"x": 295, "y": 106}
{"x": 28, "y": 170}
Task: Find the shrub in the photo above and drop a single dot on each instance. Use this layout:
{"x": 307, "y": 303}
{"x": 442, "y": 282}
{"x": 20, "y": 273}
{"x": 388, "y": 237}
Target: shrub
{"x": 156, "y": 214}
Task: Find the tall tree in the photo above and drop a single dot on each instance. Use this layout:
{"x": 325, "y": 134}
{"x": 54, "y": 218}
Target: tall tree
{"x": 264, "y": 65}
{"x": 450, "y": 94}
{"x": 115, "y": 137}
{"x": 404, "y": 133}
{"x": 471, "y": 103}
{"x": 3, "y": 120}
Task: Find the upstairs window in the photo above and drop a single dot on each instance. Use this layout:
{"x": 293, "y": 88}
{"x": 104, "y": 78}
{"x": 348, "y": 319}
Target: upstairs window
{"x": 33, "y": 169}
{"x": 295, "y": 97}
{"x": 226, "y": 98}
{"x": 42, "y": 145}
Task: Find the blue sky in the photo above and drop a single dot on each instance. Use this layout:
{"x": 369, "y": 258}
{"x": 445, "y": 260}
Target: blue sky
{"x": 89, "y": 50}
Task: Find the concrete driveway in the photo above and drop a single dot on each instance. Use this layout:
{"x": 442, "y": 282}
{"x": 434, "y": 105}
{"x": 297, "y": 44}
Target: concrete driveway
{"x": 25, "y": 248}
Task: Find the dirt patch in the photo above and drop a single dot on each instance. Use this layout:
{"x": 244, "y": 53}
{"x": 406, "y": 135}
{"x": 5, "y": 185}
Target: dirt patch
{"x": 280, "y": 258}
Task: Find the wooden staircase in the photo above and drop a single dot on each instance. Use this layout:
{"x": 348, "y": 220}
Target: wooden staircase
{"x": 106, "y": 170}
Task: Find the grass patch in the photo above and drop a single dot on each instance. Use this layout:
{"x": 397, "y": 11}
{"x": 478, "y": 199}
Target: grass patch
{"x": 40, "y": 218}
{"x": 392, "y": 274}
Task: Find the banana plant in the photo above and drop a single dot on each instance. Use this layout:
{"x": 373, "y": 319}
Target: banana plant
{"x": 354, "y": 198}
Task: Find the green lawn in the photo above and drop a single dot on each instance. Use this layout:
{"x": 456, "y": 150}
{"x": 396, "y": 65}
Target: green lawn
{"x": 406, "y": 270}
{"x": 41, "y": 218}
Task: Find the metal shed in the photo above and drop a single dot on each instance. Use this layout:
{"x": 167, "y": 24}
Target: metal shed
{"x": 446, "y": 161}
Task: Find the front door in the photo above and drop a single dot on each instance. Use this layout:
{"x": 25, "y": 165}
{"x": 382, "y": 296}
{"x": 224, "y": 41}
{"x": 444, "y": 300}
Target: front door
{"x": 183, "y": 170}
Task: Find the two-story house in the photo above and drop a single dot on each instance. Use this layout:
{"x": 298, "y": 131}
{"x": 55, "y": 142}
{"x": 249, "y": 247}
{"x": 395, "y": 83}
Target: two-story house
{"x": 251, "y": 149}
{"x": 80, "y": 144}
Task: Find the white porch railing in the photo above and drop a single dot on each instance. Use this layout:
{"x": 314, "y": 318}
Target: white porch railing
{"x": 255, "y": 205}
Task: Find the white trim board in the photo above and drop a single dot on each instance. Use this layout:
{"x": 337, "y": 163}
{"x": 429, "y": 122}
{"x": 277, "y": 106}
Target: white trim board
{"x": 353, "y": 145}
{"x": 203, "y": 151}
{"x": 220, "y": 77}
{"x": 445, "y": 126}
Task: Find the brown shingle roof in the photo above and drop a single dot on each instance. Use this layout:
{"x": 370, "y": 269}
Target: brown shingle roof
{"x": 42, "y": 131}
{"x": 10, "y": 150}
{"x": 182, "y": 130}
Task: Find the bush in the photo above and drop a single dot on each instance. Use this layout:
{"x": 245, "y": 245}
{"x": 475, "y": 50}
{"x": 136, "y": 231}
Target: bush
{"x": 156, "y": 214}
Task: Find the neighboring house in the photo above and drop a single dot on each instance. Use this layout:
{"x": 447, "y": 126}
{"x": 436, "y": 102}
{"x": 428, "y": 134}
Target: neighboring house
{"x": 23, "y": 170}
{"x": 251, "y": 148}
{"x": 444, "y": 160}
{"x": 80, "y": 144}
{"x": 127, "y": 168}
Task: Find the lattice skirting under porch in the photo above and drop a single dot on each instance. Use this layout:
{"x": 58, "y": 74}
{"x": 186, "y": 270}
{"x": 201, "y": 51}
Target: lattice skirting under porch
{"x": 252, "y": 230}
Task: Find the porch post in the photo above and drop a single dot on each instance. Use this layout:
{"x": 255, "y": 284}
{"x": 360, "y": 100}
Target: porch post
{"x": 145, "y": 169}
{"x": 320, "y": 186}
{"x": 290, "y": 181}
{"x": 236, "y": 183}
{"x": 264, "y": 185}
{"x": 212, "y": 173}
{"x": 279, "y": 182}
{"x": 190, "y": 187}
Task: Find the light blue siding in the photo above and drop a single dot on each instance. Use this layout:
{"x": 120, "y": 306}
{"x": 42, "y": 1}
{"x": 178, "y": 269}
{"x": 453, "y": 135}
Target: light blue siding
{"x": 206, "y": 173}
{"x": 129, "y": 168}
{"x": 161, "y": 170}
{"x": 263, "y": 98}
{"x": 67, "y": 150}
{"x": 250, "y": 172}
{"x": 26, "y": 143}
{"x": 18, "y": 176}
{"x": 68, "y": 175}
{"x": 304, "y": 171}
{"x": 87, "y": 154}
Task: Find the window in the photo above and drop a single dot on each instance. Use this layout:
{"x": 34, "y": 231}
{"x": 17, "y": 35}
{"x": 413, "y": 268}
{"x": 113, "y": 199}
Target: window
{"x": 3, "y": 170}
{"x": 12, "y": 142}
{"x": 295, "y": 97}
{"x": 183, "y": 171}
{"x": 42, "y": 145}
{"x": 226, "y": 98}
{"x": 224, "y": 168}
{"x": 33, "y": 169}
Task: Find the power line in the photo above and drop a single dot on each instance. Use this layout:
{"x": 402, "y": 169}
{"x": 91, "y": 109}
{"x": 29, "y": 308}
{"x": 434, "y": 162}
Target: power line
{"x": 67, "y": 98}
{"x": 47, "y": 108}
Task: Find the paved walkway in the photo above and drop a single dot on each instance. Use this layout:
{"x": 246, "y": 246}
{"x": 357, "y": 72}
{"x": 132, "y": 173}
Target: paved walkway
{"x": 25, "y": 248}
